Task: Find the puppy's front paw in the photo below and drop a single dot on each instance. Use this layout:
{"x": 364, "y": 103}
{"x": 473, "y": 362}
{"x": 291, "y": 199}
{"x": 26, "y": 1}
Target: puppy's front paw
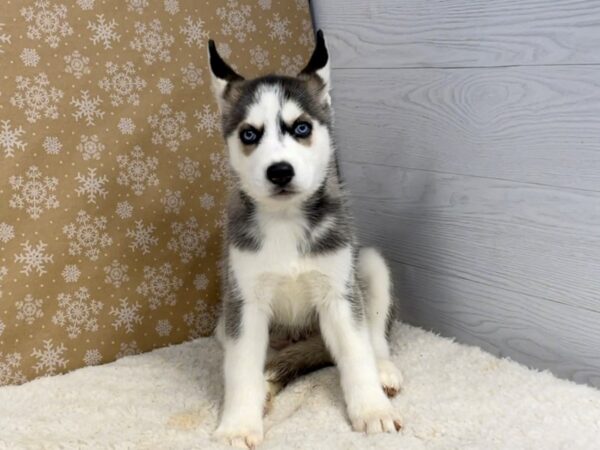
{"x": 390, "y": 377}
{"x": 247, "y": 437}
{"x": 376, "y": 419}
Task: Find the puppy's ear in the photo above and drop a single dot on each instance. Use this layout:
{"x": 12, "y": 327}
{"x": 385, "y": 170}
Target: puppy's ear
{"x": 221, "y": 74}
{"x": 318, "y": 67}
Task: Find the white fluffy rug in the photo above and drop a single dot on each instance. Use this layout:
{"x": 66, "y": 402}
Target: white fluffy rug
{"x": 454, "y": 397}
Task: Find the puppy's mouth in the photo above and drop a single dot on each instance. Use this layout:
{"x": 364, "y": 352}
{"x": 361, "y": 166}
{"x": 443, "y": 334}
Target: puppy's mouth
{"x": 283, "y": 192}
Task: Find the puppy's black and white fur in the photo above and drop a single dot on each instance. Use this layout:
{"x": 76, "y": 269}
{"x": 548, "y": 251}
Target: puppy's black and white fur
{"x": 291, "y": 265}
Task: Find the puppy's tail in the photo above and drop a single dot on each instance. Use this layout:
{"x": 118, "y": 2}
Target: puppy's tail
{"x": 299, "y": 358}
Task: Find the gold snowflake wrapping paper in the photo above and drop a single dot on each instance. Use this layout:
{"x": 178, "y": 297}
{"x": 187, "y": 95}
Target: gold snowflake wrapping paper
{"x": 113, "y": 172}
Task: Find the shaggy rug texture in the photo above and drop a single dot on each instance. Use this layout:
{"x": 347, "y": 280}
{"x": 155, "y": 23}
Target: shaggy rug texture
{"x": 454, "y": 397}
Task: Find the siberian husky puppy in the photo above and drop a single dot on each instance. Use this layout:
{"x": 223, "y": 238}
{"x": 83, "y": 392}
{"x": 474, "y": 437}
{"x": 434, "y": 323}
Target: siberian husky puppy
{"x": 292, "y": 270}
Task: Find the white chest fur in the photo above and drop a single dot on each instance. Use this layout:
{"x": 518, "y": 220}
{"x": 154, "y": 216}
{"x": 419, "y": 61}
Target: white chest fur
{"x": 281, "y": 278}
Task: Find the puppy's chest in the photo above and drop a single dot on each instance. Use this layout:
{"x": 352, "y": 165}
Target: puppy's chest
{"x": 290, "y": 281}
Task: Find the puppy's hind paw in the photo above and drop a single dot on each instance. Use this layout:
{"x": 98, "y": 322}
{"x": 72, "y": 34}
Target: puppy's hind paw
{"x": 390, "y": 377}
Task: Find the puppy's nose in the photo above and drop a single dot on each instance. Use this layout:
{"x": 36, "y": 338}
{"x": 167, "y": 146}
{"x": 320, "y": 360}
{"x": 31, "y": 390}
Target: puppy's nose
{"x": 280, "y": 173}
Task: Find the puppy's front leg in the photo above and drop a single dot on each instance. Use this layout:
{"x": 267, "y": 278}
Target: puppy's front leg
{"x": 347, "y": 338}
{"x": 245, "y": 351}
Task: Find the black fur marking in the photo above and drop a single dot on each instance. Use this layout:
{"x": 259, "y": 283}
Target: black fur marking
{"x": 333, "y": 240}
{"x": 355, "y": 296}
{"x": 232, "y": 307}
{"x": 242, "y": 230}
{"x": 319, "y": 58}
{"x": 301, "y": 91}
{"x": 218, "y": 66}
{"x": 323, "y": 206}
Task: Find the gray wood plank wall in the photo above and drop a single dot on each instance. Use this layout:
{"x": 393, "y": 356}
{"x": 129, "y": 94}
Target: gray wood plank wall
{"x": 469, "y": 135}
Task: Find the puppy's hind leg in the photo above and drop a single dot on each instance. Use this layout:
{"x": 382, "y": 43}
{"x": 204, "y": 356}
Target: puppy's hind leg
{"x": 375, "y": 277}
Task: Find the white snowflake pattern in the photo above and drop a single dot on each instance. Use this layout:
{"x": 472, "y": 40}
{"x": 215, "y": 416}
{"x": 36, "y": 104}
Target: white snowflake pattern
{"x": 10, "y": 138}
{"x": 122, "y": 83}
{"x": 124, "y": 210}
{"x": 221, "y": 221}
{"x": 116, "y": 273}
{"x": 192, "y": 75}
{"x": 10, "y": 372}
{"x": 259, "y": 57}
{"x": 50, "y": 358}
{"x": 103, "y": 31}
{"x": 128, "y": 349}
{"x": 142, "y": 237}
{"x": 126, "y": 315}
{"x": 201, "y": 321}
{"x": 91, "y": 185}
{"x": 77, "y": 312}
{"x": 137, "y": 5}
{"x": 7, "y": 232}
{"x": 201, "y": 282}
{"x": 137, "y": 170}
{"x": 86, "y": 5}
{"x": 47, "y": 22}
{"x": 92, "y": 357}
{"x": 291, "y": 65}
{"x": 163, "y": 327}
{"x": 3, "y": 272}
{"x": 159, "y": 286}
{"x": 301, "y": 5}
{"x": 220, "y": 167}
{"x": 306, "y": 36}
{"x": 2, "y": 327}
{"x": 171, "y": 6}
{"x": 34, "y": 193}
{"x": 224, "y": 49}
{"x": 87, "y": 235}
{"x": 169, "y": 127}
{"x": 279, "y": 28}
{"x": 36, "y": 97}
{"x": 152, "y": 42}
{"x": 87, "y": 107}
{"x": 71, "y": 273}
{"x": 52, "y": 145}
{"x": 4, "y": 38}
{"x": 235, "y": 20}
{"x": 165, "y": 86}
{"x": 77, "y": 64}
{"x": 29, "y": 309}
{"x": 188, "y": 240}
{"x": 172, "y": 201}
{"x": 208, "y": 121}
{"x": 29, "y": 57}
{"x": 264, "y": 4}
{"x": 194, "y": 32}
{"x": 90, "y": 147}
{"x": 34, "y": 258}
{"x": 207, "y": 201}
{"x": 126, "y": 125}
{"x": 189, "y": 170}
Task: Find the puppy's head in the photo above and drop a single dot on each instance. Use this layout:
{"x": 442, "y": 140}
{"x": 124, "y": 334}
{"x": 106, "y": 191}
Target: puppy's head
{"x": 277, "y": 128}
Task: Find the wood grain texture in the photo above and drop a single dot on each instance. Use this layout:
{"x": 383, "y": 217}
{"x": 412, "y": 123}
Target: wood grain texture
{"x": 469, "y": 135}
{"x": 459, "y": 33}
{"x": 528, "y": 124}
{"x": 535, "y": 240}
{"x": 527, "y": 329}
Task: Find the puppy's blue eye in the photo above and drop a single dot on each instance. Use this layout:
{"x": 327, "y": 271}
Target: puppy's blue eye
{"x": 302, "y": 129}
{"x": 249, "y": 136}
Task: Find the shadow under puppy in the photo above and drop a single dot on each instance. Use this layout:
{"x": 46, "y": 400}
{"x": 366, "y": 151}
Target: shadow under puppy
{"x": 291, "y": 268}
